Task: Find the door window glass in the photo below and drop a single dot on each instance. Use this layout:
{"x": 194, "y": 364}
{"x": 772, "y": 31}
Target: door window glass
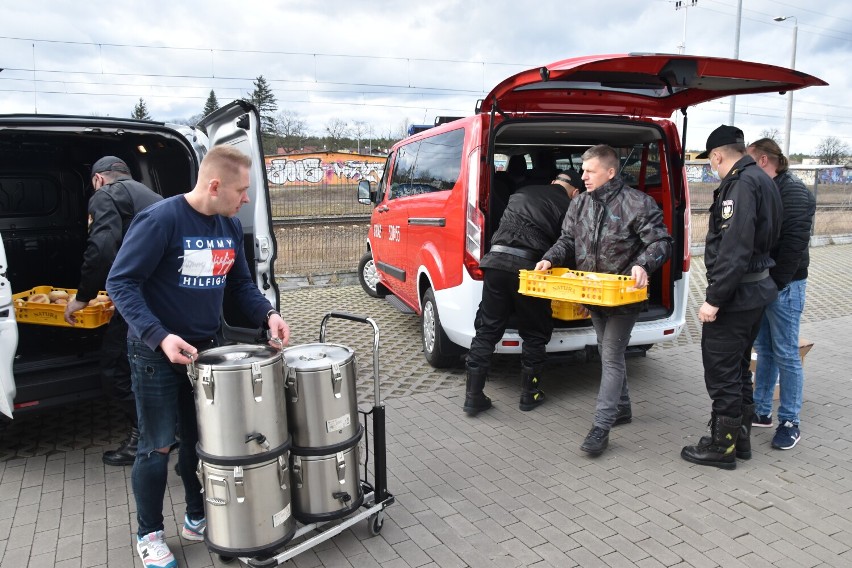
{"x": 436, "y": 167}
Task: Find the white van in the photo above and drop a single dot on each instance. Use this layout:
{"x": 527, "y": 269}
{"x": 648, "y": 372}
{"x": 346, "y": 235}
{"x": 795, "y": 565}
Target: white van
{"x": 438, "y": 201}
{"x": 45, "y": 161}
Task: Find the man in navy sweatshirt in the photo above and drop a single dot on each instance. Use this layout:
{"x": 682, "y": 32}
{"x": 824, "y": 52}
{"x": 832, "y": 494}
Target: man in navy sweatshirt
{"x": 168, "y": 281}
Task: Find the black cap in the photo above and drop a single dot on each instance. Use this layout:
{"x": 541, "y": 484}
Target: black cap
{"x": 109, "y": 164}
{"x": 573, "y": 177}
{"x": 722, "y": 136}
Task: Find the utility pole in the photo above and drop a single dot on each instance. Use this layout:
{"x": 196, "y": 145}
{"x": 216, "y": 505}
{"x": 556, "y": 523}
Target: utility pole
{"x": 789, "y": 119}
{"x": 681, "y": 49}
{"x": 736, "y": 56}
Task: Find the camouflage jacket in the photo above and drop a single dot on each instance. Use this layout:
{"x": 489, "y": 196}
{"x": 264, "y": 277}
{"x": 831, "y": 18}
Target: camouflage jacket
{"x": 610, "y": 230}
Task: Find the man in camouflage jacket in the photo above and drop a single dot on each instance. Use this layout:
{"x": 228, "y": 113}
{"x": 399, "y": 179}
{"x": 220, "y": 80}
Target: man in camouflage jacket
{"x": 614, "y": 229}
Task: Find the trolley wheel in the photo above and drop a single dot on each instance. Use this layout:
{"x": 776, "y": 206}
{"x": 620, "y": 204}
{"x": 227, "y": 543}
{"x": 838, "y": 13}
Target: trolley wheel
{"x": 226, "y": 559}
{"x": 375, "y": 523}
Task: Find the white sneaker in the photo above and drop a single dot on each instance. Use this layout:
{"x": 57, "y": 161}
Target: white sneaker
{"x": 154, "y": 551}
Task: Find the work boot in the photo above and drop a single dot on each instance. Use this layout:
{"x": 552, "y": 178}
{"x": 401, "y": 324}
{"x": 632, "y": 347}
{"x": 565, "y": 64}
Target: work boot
{"x": 718, "y": 449}
{"x": 125, "y": 454}
{"x": 596, "y": 441}
{"x": 744, "y": 439}
{"x": 743, "y": 449}
{"x": 624, "y": 415}
{"x": 531, "y": 396}
{"x": 475, "y": 400}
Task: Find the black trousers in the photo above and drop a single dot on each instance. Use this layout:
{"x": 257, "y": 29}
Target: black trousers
{"x": 726, "y": 353}
{"x": 115, "y": 368}
{"x": 500, "y": 299}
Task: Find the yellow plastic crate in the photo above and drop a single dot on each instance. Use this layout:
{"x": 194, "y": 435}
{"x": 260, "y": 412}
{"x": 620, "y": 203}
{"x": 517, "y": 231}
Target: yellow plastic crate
{"x": 568, "y": 311}
{"x": 582, "y": 287}
{"x": 54, "y": 314}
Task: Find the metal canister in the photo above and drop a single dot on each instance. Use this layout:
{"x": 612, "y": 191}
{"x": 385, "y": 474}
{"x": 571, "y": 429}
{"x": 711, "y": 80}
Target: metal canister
{"x": 321, "y": 399}
{"x": 239, "y": 399}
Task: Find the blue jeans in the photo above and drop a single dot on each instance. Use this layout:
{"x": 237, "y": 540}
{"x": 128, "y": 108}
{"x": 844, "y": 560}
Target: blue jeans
{"x": 164, "y": 397}
{"x": 613, "y": 334}
{"x": 777, "y": 347}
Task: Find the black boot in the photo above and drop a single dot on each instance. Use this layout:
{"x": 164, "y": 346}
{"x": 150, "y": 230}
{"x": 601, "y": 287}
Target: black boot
{"x": 125, "y": 454}
{"x": 744, "y": 439}
{"x": 531, "y": 396}
{"x": 624, "y": 415}
{"x": 475, "y": 400}
{"x": 718, "y": 449}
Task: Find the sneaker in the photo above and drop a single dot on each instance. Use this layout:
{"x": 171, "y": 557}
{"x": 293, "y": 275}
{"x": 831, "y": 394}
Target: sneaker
{"x": 761, "y": 421}
{"x": 193, "y": 530}
{"x": 596, "y": 441}
{"x": 154, "y": 551}
{"x": 624, "y": 415}
{"x": 786, "y": 436}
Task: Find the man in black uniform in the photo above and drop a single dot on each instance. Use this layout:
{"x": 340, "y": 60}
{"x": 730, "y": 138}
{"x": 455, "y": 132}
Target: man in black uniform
{"x": 117, "y": 199}
{"x": 529, "y": 225}
{"x": 745, "y": 221}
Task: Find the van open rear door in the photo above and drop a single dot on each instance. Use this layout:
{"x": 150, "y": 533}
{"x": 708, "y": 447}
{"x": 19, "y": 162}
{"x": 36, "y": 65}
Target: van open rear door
{"x": 8, "y": 339}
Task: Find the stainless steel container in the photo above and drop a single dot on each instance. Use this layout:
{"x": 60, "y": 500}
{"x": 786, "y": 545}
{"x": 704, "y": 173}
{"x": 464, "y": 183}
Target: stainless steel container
{"x": 321, "y": 398}
{"x": 326, "y": 487}
{"x": 248, "y": 507}
{"x": 239, "y": 398}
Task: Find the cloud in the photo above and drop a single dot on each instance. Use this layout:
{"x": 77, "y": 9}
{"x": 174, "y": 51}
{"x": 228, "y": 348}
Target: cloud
{"x": 385, "y": 63}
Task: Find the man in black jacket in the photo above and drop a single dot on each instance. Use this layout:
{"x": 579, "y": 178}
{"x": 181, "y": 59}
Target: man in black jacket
{"x": 117, "y": 199}
{"x": 777, "y": 342}
{"x": 528, "y": 226}
{"x": 744, "y": 222}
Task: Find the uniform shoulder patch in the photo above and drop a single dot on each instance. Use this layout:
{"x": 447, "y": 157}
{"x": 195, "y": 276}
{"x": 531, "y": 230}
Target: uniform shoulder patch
{"x": 727, "y": 209}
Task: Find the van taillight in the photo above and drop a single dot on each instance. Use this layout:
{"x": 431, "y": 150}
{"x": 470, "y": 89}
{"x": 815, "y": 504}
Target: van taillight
{"x": 473, "y": 224}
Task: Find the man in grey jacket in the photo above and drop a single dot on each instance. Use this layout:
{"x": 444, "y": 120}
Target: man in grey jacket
{"x": 613, "y": 229}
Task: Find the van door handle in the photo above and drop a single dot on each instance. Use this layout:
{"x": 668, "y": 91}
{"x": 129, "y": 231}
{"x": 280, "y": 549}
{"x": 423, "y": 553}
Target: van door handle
{"x": 383, "y": 208}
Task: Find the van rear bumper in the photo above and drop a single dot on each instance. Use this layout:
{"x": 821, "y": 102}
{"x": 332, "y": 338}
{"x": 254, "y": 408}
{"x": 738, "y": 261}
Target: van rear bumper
{"x": 457, "y": 309}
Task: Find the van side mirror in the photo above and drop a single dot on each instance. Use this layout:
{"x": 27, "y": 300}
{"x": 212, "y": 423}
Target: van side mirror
{"x": 365, "y": 194}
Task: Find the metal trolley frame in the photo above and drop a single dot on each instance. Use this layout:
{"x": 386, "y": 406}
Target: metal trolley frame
{"x": 376, "y": 497}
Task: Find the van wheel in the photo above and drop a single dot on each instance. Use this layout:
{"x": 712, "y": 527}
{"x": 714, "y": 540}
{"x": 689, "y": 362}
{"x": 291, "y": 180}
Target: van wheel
{"x": 368, "y": 277}
{"x": 440, "y": 352}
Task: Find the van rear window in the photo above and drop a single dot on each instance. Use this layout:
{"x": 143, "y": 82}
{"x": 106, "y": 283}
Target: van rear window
{"x": 428, "y": 165}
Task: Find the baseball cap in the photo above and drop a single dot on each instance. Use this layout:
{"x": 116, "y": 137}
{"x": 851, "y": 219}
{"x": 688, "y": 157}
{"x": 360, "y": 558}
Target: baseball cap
{"x": 722, "y": 136}
{"x": 109, "y": 164}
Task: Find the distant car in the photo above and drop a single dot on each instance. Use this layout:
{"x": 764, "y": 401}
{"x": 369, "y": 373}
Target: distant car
{"x": 45, "y": 162}
{"x": 434, "y": 208}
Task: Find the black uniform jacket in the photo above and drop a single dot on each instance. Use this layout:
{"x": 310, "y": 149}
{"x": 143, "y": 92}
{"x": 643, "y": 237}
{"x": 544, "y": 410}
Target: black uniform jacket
{"x": 530, "y": 223}
{"x": 791, "y": 252}
{"x": 745, "y": 220}
{"x": 111, "y": 209}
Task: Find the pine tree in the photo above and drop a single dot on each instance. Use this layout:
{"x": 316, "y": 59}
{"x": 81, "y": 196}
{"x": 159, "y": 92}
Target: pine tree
{"x": 211, "y": 105}
{"x": 140, "y": 111}
{"x": 263, "y": 98}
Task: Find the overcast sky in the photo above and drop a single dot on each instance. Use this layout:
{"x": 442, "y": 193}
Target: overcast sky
{"x": 386, "y": 62}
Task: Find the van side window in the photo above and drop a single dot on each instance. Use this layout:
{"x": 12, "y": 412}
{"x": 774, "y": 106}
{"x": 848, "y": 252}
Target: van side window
{"x": 436, "y": 167}
{"x": 383, "y": 183}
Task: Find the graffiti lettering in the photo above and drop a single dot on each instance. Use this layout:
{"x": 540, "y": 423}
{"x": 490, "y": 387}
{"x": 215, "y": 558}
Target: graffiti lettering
{"x": 322, "y": 169}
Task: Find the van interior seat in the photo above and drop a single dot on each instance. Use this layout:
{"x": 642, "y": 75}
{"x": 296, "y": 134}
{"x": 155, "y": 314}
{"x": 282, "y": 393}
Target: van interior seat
{"x": 516, "y": 168}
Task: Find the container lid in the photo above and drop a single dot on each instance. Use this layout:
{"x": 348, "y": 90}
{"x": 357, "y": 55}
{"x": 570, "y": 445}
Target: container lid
{"x": 315, "y": 356}
{"x": 239, "y": 356}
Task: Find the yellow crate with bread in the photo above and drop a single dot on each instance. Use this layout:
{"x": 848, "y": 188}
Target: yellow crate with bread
{"x": 45, "y": 305}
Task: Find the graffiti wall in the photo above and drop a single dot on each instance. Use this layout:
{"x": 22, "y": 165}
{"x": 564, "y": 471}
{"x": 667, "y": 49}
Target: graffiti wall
{"x": 700, "y": 173}
{"x": 323, "y": 168}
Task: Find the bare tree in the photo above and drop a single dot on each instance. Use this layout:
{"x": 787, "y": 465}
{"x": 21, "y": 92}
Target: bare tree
{"x": 771, "y": 133}
{"x": 832, "y": 150}
{"x": 337, "y": 130}
{"x": 359, "y": 130}
{"x": 291, "y": 130}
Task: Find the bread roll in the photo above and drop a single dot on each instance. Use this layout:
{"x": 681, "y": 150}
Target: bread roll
{"x": 38, "y": 299}
{"x": 19, "y": 303}
{"x": 103, "y": 298}
{"x": 57, "y": 295}
{"x": 60, "y": 301}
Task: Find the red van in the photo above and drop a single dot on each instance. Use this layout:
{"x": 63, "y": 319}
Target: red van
{"x": 438, "y": 201}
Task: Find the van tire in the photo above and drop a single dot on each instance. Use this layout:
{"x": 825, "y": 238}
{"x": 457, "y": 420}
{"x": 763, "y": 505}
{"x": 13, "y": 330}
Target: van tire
{"x": 368, "y": 277}
{"x": 440, "y": 352}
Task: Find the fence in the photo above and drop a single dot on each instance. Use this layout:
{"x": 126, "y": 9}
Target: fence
{"x": 321, "y": 229}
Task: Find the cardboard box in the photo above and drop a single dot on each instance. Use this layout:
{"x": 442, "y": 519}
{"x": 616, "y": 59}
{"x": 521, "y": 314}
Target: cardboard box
{"x": 804, "y": 347}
